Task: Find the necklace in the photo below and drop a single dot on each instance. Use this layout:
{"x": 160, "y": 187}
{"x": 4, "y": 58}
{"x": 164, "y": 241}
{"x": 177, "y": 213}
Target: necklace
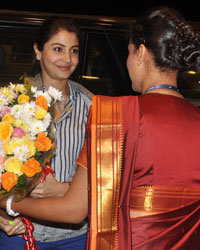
{"x": 162, "y": 86}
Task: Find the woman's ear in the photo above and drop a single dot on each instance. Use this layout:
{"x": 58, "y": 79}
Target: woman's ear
{"x": 37, "y": 52}
{"x": 141, "y": 54}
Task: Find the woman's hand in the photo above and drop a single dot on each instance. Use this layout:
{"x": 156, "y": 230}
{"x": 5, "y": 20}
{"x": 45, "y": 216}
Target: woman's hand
{"x": 10, "y": 225}
{"x": 50, "y": 187}
{"x": 71, "y": 208}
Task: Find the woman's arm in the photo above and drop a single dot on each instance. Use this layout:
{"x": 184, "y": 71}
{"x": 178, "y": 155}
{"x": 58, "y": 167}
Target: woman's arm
{"x": 71, "y": 208}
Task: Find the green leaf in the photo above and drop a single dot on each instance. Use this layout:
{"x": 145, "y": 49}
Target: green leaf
{"x": 21, "y": 180}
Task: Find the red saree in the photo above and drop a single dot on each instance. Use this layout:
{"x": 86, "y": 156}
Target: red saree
{"x": 125, "y": 150}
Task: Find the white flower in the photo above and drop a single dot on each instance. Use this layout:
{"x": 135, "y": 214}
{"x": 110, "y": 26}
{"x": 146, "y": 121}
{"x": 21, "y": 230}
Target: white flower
{"x": 55, "y": 94}
{"x": 21, "y": 152}
{"x": 28, "y": 111}
{"x": 36, "y": 127}
{"x": 33, "y": 89}
{"x": 12, "y": 86}
{"x": 47, "y": 121}
{"x": 17, "y": 111}
{"x": 31, "y": 137}
{"x": 2, "y": 152}
{"x": 3, "y": 101}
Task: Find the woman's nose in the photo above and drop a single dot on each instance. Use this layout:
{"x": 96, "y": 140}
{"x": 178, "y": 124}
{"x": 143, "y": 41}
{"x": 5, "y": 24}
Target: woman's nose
{"x": 67, "y": 57}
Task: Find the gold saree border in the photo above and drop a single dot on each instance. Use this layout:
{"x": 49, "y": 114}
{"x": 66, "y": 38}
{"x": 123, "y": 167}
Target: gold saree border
{"x": 148, "y": 200}
{"x": 106, "y": 162}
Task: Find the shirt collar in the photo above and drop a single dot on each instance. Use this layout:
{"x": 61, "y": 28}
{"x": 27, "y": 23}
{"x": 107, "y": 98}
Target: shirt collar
{"x": 72, "y": 92}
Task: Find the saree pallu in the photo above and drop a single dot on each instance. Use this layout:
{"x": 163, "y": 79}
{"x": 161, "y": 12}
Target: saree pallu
{"x": 109, "y": 186}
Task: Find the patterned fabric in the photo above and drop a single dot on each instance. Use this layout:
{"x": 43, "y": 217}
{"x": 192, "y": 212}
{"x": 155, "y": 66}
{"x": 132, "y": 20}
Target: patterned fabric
{"x": 160, "y": 150}
{"x": 70, "y": 135}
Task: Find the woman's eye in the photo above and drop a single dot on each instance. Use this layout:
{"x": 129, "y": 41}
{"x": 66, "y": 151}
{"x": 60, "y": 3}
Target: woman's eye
{"x": 58, "y": 49}
{"x": 75, "y": 51}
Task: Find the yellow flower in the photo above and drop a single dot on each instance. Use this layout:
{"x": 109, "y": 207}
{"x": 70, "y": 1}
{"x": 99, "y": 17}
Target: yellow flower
{"x": 40, "y": 113}
{"x": 8, "y": 147}
{"x": 31, "y": 147}
{"x": 27, "y": 82}
{"x": 5, "y": 130}
{"x": 20, "y": 88}
{"x": 19, "y": 123}
{"x": 14, "y": 165}
{"x": 23, "y": 99}
{"x": 9, "y": 118}
{"x": 9, "y": 94}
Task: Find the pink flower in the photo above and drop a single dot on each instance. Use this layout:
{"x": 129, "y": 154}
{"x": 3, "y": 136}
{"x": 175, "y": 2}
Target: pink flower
{"x": 2, "y": 160}
{"x": 5, "y": 110}
{"x": 18, "y": 132}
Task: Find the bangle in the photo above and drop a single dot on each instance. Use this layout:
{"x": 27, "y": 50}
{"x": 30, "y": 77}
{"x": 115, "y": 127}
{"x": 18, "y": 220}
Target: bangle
{"x": 8, "y": 207}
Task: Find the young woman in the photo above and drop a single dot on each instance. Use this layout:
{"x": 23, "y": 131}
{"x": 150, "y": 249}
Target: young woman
{"x": 142, "y": 153}
{"x": 57, "y": 54}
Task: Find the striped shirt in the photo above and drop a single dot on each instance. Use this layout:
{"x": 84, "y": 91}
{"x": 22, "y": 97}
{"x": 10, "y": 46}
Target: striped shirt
{"x": 69, "y": 136}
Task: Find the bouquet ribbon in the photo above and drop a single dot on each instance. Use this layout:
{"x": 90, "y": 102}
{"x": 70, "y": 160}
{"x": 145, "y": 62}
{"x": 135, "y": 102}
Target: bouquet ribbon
{"x": 30, "y": 240}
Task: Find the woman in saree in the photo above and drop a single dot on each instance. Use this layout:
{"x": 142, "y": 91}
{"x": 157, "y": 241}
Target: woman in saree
{"x": 141, "y": 152}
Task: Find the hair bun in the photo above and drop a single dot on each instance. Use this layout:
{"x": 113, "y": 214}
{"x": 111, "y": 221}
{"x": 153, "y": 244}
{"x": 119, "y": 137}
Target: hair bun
{"x": 173, "y": 42}
{"x": 192, "y": 59}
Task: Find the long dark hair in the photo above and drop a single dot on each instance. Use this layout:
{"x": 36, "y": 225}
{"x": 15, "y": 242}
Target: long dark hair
{"x": 50, "y": 27}
{"x": 173, "y": 42}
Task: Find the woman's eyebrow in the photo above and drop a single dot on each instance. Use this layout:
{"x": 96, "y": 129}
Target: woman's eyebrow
{"x": 60, "y": 44}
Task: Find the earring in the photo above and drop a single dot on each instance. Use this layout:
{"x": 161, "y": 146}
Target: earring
{"x": 37, "y": 57}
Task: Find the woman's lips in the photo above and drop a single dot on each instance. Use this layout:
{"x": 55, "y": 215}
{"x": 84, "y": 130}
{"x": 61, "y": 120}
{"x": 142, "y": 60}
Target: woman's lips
{"x": 64, "y": 68}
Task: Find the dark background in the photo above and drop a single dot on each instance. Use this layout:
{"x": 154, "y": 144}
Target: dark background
{"x": 119, "y": 8}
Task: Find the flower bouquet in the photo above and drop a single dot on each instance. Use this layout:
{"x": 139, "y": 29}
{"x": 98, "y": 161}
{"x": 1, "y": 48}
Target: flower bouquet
{"x": 26, "y": 138}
